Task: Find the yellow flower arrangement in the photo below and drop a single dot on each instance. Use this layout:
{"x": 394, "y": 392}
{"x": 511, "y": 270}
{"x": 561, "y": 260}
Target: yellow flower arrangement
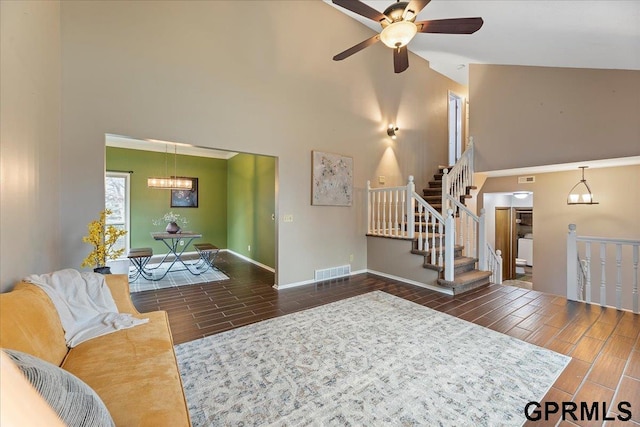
{"x": 102, "y": 237}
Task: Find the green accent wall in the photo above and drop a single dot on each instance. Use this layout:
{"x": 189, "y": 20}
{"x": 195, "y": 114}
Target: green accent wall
{"x": 251, "y": 182}
{"x": 209, "y": 218}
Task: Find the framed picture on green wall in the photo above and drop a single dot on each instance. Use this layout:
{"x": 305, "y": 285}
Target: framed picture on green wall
{"x": 185, "y": 198}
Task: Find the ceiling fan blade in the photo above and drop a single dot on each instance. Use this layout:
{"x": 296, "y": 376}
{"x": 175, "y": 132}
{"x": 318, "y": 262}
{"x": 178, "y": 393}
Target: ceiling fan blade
{"x": 450, "y": 26}
{"x": 361, "y": 9}
{"x": 357, "y": 48}
{"x": 400, "y": 59}
{"x": 414, "y": 6}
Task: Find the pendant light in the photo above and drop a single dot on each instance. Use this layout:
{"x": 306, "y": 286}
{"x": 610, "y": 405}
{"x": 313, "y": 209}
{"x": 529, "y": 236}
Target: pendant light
{"x": 170, "y": 182}
{"x": 581, "y": 193}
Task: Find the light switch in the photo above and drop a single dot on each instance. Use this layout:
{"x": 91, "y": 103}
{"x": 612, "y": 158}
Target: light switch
{"x": 381, "y": 179}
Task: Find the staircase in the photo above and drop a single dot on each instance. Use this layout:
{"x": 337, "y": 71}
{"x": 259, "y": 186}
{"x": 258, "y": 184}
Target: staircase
{"x": 466, "y": 275}
{"x": 441, "y": 228}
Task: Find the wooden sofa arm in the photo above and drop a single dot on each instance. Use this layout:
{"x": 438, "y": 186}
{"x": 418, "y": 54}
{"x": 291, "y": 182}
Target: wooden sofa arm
{"x": 119, "y": 286}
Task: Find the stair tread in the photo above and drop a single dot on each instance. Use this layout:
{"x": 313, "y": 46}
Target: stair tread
{"x": 470, "y": 276}
{"x": 457, "y": 263}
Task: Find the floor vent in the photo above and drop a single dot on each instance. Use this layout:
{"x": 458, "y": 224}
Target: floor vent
{"x": 332, "y": 273}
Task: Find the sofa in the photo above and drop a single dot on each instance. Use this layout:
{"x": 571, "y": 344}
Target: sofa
{"x": 133, "y": 371}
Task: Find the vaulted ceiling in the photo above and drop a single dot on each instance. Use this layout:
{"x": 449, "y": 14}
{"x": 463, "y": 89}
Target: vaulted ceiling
{"x": 555, "y": 33}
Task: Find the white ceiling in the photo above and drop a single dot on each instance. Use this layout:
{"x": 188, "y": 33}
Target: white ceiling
{"x": 551, "y": 33}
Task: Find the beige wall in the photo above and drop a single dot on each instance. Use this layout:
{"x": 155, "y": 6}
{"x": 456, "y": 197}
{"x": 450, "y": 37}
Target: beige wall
{"x": 253, "y": 77}
{"x": 617, "y": 190}
{"x": 532, "y": 116}
{"x": 30, "y": 135}
{"x": 393, "y": 257}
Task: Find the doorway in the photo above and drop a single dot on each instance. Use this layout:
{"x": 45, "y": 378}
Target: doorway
{"x": 504, "y": 241}
{"x": 237, "y": 196}
{"x": 455, "y": 128}
{"x": 514, "y": 238}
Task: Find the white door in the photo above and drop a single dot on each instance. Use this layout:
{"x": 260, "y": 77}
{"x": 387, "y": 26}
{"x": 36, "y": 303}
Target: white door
{"x": 455, "y": 128}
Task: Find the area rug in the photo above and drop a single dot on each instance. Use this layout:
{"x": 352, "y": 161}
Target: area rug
{"x": 373, "y": 359}
{"x": 179, "y": 277}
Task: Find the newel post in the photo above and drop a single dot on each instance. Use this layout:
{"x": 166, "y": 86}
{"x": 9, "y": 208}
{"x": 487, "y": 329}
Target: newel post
{"x": 445, "y": 191}
{"x": 449, "y": 245}
{"x": 411, "y": 228}
{"x": 482, "y": 242}
{"x": 369, "y": 207}
{"x": 572, "y": 264}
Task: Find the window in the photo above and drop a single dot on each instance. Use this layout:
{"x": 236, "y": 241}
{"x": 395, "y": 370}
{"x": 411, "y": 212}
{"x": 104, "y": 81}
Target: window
{"x": 117, "y": 200}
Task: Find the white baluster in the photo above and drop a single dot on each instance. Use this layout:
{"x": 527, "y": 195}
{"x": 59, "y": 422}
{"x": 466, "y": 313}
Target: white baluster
{"x": 390, "y": 225}
{"x": 635, "y": 279}
{"x": 384, "y": 213}
{"x": 588, "y": 258}
{"x": 403, "y": 214}
{"x": 469, "y": 225}
{"x": 442, "y": 241}
{"x": 603, "y": 276}
{"x": 420, "y": 244}
{"x": 433, "y": 241}
{"x": 378, "y": 213}
{"x": 619, "y": 276}
{"x": 368, "y": 207}
{"x": 396, "y": 221}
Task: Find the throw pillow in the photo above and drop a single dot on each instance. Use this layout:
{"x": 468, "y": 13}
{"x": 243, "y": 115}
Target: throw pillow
{"x": 74, "y": 401}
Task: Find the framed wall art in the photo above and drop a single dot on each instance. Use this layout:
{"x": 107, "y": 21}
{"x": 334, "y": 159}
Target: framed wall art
{"x": 332, "y": 179}
{"x": 185, "y": 198}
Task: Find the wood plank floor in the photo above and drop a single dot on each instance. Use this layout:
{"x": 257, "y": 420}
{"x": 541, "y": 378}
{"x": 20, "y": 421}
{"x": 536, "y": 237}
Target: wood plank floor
{"x": 603, "y": 342}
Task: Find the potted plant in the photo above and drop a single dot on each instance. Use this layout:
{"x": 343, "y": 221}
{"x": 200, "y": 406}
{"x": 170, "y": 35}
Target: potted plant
{"x": 171, "y": 219}
{"x": 102, "y": 237}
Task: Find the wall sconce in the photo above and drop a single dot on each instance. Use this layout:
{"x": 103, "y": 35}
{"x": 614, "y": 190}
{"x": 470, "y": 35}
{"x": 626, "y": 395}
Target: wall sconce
{"x": 581, "y": 193}
{"x": 391, "y": 131}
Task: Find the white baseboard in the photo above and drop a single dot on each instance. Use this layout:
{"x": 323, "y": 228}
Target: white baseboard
{"x": 412, "y": 282}
{"x": 293, "y": 285}
{"x": 252, "y": 261}
{"x": 311, "y": 281}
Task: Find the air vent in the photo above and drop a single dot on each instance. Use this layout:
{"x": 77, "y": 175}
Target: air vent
{"x": 526, "y": 179}
{"x": 332, "y": 273}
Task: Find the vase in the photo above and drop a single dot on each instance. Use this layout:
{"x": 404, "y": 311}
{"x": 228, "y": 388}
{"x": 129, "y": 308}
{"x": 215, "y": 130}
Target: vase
{"x": 172, "y": 228}
{"x": 102, "y": 270}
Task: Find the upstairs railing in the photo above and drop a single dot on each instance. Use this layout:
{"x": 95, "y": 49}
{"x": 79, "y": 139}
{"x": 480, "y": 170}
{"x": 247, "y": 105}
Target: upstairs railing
{"x": 456, "y": 180}
{"x": 392, "y": 212}
{"x": 494, "y": 264}
{"x": 593, "y": 257}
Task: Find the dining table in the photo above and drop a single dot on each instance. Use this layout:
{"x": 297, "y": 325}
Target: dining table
{"x": 173, "y": 242}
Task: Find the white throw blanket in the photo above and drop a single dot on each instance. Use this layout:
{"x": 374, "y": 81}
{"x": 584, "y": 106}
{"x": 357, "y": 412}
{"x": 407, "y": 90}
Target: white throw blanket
{"x": 84, "y": 303}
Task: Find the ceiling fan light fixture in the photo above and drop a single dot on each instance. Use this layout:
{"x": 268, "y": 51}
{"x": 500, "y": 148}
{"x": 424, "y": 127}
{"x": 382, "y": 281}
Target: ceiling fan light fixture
{"x": 398, "y": 34}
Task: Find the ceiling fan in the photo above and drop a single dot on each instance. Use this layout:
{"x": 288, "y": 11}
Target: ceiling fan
{"x": 399, "y": 27}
